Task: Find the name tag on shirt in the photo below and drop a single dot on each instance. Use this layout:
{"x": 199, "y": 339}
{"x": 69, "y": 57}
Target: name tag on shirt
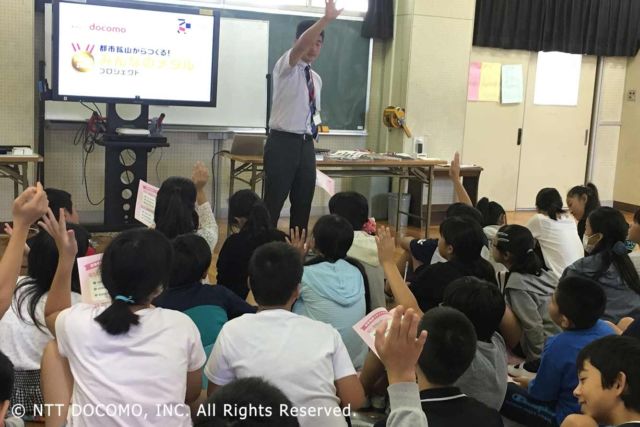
{"x": 317, "y": 120}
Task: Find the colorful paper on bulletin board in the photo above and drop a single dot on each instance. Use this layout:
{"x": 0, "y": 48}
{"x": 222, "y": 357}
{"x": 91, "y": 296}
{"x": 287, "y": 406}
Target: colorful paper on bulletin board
{"x": 474, "y": 81}
{"x": 489, "y": 82}
{"x": 512, "y": 85}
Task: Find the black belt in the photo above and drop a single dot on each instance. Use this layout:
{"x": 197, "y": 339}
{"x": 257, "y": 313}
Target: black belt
{"x": 276, "y": 133}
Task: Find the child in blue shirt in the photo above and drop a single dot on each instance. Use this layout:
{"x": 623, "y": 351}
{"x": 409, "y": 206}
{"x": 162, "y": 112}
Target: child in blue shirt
{"x": 576, "y": 306}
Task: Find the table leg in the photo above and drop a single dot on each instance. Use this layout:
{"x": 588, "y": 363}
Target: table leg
{"x": 231, "y": 183}
{"x": 25, "y": 176}
{"x": 398, "y": 207}
{"x": 254, "y": 172}
{"x": 427, "y": 220}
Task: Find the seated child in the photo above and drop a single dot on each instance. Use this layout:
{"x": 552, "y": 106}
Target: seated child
{"x": 581, "y": 201}
{"x": 182, "y": 207}
{"x": 249, "y": 215}
{"x": 191, "y": 260}
{"x": 23, "y": 332}
{"x": 425, "y": 251}
{"x": 448, "y": 352}
{"x": 130, "y": 352}
{"x": 555, "y": 231}
{"x": 486, "y": 378}
{"x": 253, "y": 401}
{"x": 493, "y": 216}
{"x": 304, "y": 358}
{"x": 60, "y": 199}
{"x": 460, "y": 243}
{"x": 576, "y": 306}
{"x": 27, "y": 208}
{"x": 527, "y": 288}
{"x": 6, "y": 388}
{"x": 333, "y": 288}
{"x": 609, "y": 381}
{"x": 354, "y": 208}
{"x": 609, "y": 264}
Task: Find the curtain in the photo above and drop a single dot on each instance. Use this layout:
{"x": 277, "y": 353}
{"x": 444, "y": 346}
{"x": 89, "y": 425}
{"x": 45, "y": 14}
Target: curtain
{"x": 592, "y": 27}
{"x": 378, "y": 22}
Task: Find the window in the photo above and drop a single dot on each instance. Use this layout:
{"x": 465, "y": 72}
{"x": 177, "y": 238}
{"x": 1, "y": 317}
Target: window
{"x": 348, "y": 5}
{"x": 267, "y": 3}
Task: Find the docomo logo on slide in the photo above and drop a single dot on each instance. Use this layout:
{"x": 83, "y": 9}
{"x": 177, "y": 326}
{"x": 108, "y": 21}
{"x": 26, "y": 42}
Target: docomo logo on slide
{"x": 106, "y": 28}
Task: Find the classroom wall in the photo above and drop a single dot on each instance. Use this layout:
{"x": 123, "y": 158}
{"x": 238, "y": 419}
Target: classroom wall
{"x": 424, "y": 71}
{"x": 626, "y": 175}
{"x": 16, "y": 83}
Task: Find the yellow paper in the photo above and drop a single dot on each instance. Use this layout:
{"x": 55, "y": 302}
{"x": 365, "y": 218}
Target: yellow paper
{"x": 490, "y": 82}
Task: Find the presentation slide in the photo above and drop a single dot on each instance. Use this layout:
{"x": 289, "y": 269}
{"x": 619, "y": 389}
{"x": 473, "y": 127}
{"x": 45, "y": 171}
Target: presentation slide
{"x": 115, "y": 52}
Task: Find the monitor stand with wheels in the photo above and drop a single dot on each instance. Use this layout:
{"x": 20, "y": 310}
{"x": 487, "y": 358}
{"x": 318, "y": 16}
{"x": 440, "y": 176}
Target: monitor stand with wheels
{"x": 125, "y": 164}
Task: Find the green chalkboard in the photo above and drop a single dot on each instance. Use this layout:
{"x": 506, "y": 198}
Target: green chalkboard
{"x": 343, "y": 64}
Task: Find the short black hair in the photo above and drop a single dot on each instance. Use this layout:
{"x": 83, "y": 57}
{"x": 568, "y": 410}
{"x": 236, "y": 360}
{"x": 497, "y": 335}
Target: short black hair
{"x": 255, "y": 403}
{"x": 333, "y": 236}
{"x": 450, "y": 346}
{"x": 480, "y": 301}
{"x": 352, "y": 206}
{"x": 304, "y": 26}
{"x": 59, "y": 199}
{"x": 611, "y": 355}
{"x": 191, "y": 259}
{"x": 548, "y": 200}
{"x": 275, "y": 271}
{"x": 636, "y": 217}
{"x": 581, "y": 300}
{"x": 6, "y": 378}
{"x": 466, "y": 237}
{"x": 463, "y": 210}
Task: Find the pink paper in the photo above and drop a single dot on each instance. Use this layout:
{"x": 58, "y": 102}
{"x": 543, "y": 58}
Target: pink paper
{"x": 146, "y": 203}
{"x": 91, "y": 288}
{"x": 367, "y": 326}
{"x": 325, "y": 182}
{"x": 474, "y": 81}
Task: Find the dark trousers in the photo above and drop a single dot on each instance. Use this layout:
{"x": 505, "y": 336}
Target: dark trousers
{"x": 522, "y": 408}
{"x": 290, "y": 170}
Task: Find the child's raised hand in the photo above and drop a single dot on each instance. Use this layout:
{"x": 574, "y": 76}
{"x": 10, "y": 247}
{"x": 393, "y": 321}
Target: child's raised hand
{"x": 399, "y": 349}
{"x": 29, "y": 206}
{"x": 298, "y": 239}
{"x": 454, "y": 169}
{"x": 386, "y": 245}
{"x": 65, "y": 239}
{"x": 200, "y": 175}
{"x": 330, "y": 10}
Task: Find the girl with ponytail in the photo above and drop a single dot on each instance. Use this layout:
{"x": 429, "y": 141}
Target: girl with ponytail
{"x": 249, "y": 218}
{"x": 130, "y": 352}
{"x": 182, "y": 207}
{"x": 527, "y": 287}
{"x": 609, "y": 264}
{"x": 555, "y": 232}
{"x": 582, "y": 200}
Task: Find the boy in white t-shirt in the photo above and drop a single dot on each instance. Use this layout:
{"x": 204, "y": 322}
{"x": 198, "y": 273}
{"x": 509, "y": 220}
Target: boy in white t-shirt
{"x": 304, "y": 358}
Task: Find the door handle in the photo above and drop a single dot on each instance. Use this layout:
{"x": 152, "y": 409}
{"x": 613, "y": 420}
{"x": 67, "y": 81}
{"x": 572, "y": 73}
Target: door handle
{"x": 519, "y": 142}
{"x": 586, "y": 137}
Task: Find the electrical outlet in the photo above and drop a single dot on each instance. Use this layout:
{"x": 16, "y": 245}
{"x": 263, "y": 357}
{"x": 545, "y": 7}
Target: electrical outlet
{"x": 631, "y": 95}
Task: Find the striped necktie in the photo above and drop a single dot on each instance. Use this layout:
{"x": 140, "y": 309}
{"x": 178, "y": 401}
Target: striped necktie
{"x": 312, "y": 99}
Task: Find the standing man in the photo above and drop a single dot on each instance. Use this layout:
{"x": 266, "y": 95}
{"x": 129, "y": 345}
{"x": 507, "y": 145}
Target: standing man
{"x": 289, "y": 155}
